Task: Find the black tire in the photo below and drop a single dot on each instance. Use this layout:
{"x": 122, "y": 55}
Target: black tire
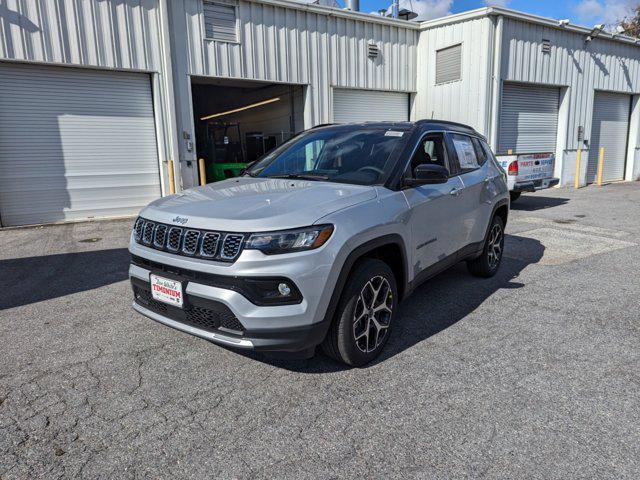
{"x": 341, "y": 343}
{"x": 486, "y": 265}
{"x": 515, "y": 195}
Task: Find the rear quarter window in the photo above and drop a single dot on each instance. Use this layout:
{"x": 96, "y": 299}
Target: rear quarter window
{"x": 481, "y": 154}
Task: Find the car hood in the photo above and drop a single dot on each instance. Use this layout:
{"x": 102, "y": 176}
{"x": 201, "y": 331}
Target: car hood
{"x": 248, "y": 204}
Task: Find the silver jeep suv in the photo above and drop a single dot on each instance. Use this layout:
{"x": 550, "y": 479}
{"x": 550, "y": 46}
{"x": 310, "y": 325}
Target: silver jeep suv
{"x": 318, "y": 241}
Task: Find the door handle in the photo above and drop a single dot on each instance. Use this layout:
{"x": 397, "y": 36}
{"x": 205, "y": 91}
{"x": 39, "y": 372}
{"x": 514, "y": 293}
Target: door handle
{"x": 455, "y": 192}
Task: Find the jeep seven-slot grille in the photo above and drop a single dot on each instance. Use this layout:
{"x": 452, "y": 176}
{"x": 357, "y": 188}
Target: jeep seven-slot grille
{"x": 190, "y": 242}
{"x": 160, "y": 237}
{"x": 209, "y": 245}
{"x": 231, "y": 246}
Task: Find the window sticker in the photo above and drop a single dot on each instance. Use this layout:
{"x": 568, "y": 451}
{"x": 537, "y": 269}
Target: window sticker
{"x": 465, "y": 151}
{"x": 393, "y": 133}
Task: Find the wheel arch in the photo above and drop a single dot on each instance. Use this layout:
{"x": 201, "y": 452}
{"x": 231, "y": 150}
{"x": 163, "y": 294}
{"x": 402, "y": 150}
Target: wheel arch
{"x": 388, "y": 248}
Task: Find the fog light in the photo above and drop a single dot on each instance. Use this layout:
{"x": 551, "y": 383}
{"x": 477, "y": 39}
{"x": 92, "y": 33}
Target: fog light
{"x": 284, "y": 289}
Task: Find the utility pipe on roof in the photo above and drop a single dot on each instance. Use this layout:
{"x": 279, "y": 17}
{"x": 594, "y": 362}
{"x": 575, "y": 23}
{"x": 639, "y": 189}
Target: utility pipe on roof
{"x": 353, "y": 5}
{"x": 496, "y": 90}
{"x": 395, "y": 8}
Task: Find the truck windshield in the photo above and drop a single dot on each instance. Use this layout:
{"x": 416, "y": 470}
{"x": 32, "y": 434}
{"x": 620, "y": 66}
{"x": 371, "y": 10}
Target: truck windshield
{"x": 345, "y": 154}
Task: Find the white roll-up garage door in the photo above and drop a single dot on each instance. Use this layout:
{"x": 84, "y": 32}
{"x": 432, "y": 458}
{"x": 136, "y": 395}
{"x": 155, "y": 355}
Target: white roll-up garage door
{"x": 369, "y": 106}
{"x": 528, "y": 119}
{"x": 74, "y": 144}
{"x": 609, "y": 129}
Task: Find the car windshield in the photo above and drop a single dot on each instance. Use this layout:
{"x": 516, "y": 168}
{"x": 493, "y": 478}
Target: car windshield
{"x": 346, "y": 154}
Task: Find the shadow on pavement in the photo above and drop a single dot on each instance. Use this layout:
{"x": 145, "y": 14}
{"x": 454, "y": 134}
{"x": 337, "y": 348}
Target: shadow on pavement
{"x": 435, "y": 306}
{"x": 33, "y": 279}
{"x": 531, "y": 203}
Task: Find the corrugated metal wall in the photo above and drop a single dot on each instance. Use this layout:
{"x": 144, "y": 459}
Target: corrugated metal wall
{"x": 103, "y": 33}
{"x": 599, "y": 65}
{"x": 298, "y": 46}
{"x": 465, "y": 100}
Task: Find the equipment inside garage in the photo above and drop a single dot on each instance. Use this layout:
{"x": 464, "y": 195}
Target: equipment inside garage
{"x": 75, "y": 144}
{"x": 237, "y": 122}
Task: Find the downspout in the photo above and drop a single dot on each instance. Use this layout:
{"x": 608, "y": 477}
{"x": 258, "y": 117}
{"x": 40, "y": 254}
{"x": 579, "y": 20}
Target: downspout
{"x": 496, "y": 90}
{"x": 170, "y": 127}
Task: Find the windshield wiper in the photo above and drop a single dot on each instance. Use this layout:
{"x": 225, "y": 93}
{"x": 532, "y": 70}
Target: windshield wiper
{"x": 301, "y": 176}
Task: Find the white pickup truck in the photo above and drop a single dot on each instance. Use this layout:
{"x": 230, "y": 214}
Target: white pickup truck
{"x": 528, "y": 173}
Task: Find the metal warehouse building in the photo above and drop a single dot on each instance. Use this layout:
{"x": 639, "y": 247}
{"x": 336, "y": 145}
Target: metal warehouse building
{"x": 100, "y": 99}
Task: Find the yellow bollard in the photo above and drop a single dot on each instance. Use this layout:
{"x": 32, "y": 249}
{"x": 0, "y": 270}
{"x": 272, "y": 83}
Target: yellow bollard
{"x": 203, "y": 173}
{"x": 600, "y": 165}
{"x": 172, "y": 180}
{"x": 576, "y": 183}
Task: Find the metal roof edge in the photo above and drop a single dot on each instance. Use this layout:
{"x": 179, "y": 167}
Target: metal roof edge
{"x": 339, "y": 12}
{"x": 524, "y": 17}
{"x": 455, "y": 18}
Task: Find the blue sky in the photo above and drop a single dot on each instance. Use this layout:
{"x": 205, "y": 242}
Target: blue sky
{"x": 584, "y": 12}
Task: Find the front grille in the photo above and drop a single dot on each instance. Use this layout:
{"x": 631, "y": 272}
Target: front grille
{"x": 190, "y": 242}
{"x": 160, "y": 238}
{"x": 147, "y": 233}
{"x": 138, "y": 228}
{"x": 175, "y": 236}
{"x": 231, "y": 246}
{"x": 221, "y": 246}
{"x": 200, "y": 313}
{"x": 209, "y": 244}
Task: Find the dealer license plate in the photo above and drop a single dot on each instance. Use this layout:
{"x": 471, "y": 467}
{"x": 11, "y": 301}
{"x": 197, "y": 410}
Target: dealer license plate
{"x": 166, "y": 290}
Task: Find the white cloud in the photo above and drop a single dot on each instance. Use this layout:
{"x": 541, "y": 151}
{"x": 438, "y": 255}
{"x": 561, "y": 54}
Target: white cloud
{"x": 497, "y": 3}
{"x": 427, "y": 9}
{"x": 609, "y": 12}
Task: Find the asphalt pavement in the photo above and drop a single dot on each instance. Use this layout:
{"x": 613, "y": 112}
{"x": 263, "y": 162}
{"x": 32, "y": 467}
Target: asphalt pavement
{"x": 532, "y": 374}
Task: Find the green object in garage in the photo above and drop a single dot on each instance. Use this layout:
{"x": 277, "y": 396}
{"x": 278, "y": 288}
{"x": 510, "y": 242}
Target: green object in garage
{"x": 221, "y": 171}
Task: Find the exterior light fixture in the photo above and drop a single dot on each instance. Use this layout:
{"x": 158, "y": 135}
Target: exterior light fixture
{"x": 597, "y": 30}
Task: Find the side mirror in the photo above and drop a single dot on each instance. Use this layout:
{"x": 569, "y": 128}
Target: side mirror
{"x": 428, "y": 174}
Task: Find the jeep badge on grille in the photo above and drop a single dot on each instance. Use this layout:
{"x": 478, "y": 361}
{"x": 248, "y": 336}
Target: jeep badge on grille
{"x": 180, "y": 220}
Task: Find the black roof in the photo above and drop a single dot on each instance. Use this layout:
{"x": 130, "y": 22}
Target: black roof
{"x": 425, "y": 124}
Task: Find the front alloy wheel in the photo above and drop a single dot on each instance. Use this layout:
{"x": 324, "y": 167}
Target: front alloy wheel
{"x": 372, "y": 315}
{"x": 362, "y": 323}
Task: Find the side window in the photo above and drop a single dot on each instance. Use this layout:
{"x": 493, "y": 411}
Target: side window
{"x": 481, "y": 153}
{"x": 466, "y": 153}
{"x": 430, "y": 151}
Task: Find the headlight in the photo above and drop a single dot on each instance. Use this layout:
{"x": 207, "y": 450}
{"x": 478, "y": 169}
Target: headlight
{"x": 288, "y": 241}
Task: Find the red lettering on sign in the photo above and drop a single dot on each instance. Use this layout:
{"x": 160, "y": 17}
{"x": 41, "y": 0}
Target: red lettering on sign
{"x": 166, "y": 291}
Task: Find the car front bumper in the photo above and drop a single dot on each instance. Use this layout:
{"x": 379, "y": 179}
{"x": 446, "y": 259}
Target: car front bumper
{"x": 226, "y": 316}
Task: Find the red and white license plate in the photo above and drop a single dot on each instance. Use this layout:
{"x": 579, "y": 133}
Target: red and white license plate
{"x": 166, "y": 290}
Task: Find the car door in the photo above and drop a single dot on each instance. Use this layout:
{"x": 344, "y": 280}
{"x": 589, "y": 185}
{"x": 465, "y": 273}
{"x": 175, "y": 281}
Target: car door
{"x": 435, "y": 210}
{"x": 476, "y": 197}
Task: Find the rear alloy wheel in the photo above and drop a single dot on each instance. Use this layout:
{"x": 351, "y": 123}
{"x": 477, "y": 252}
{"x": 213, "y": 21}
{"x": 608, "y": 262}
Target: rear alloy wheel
{"x": 487, "y": 264}
{"x": 363, "y": 320}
